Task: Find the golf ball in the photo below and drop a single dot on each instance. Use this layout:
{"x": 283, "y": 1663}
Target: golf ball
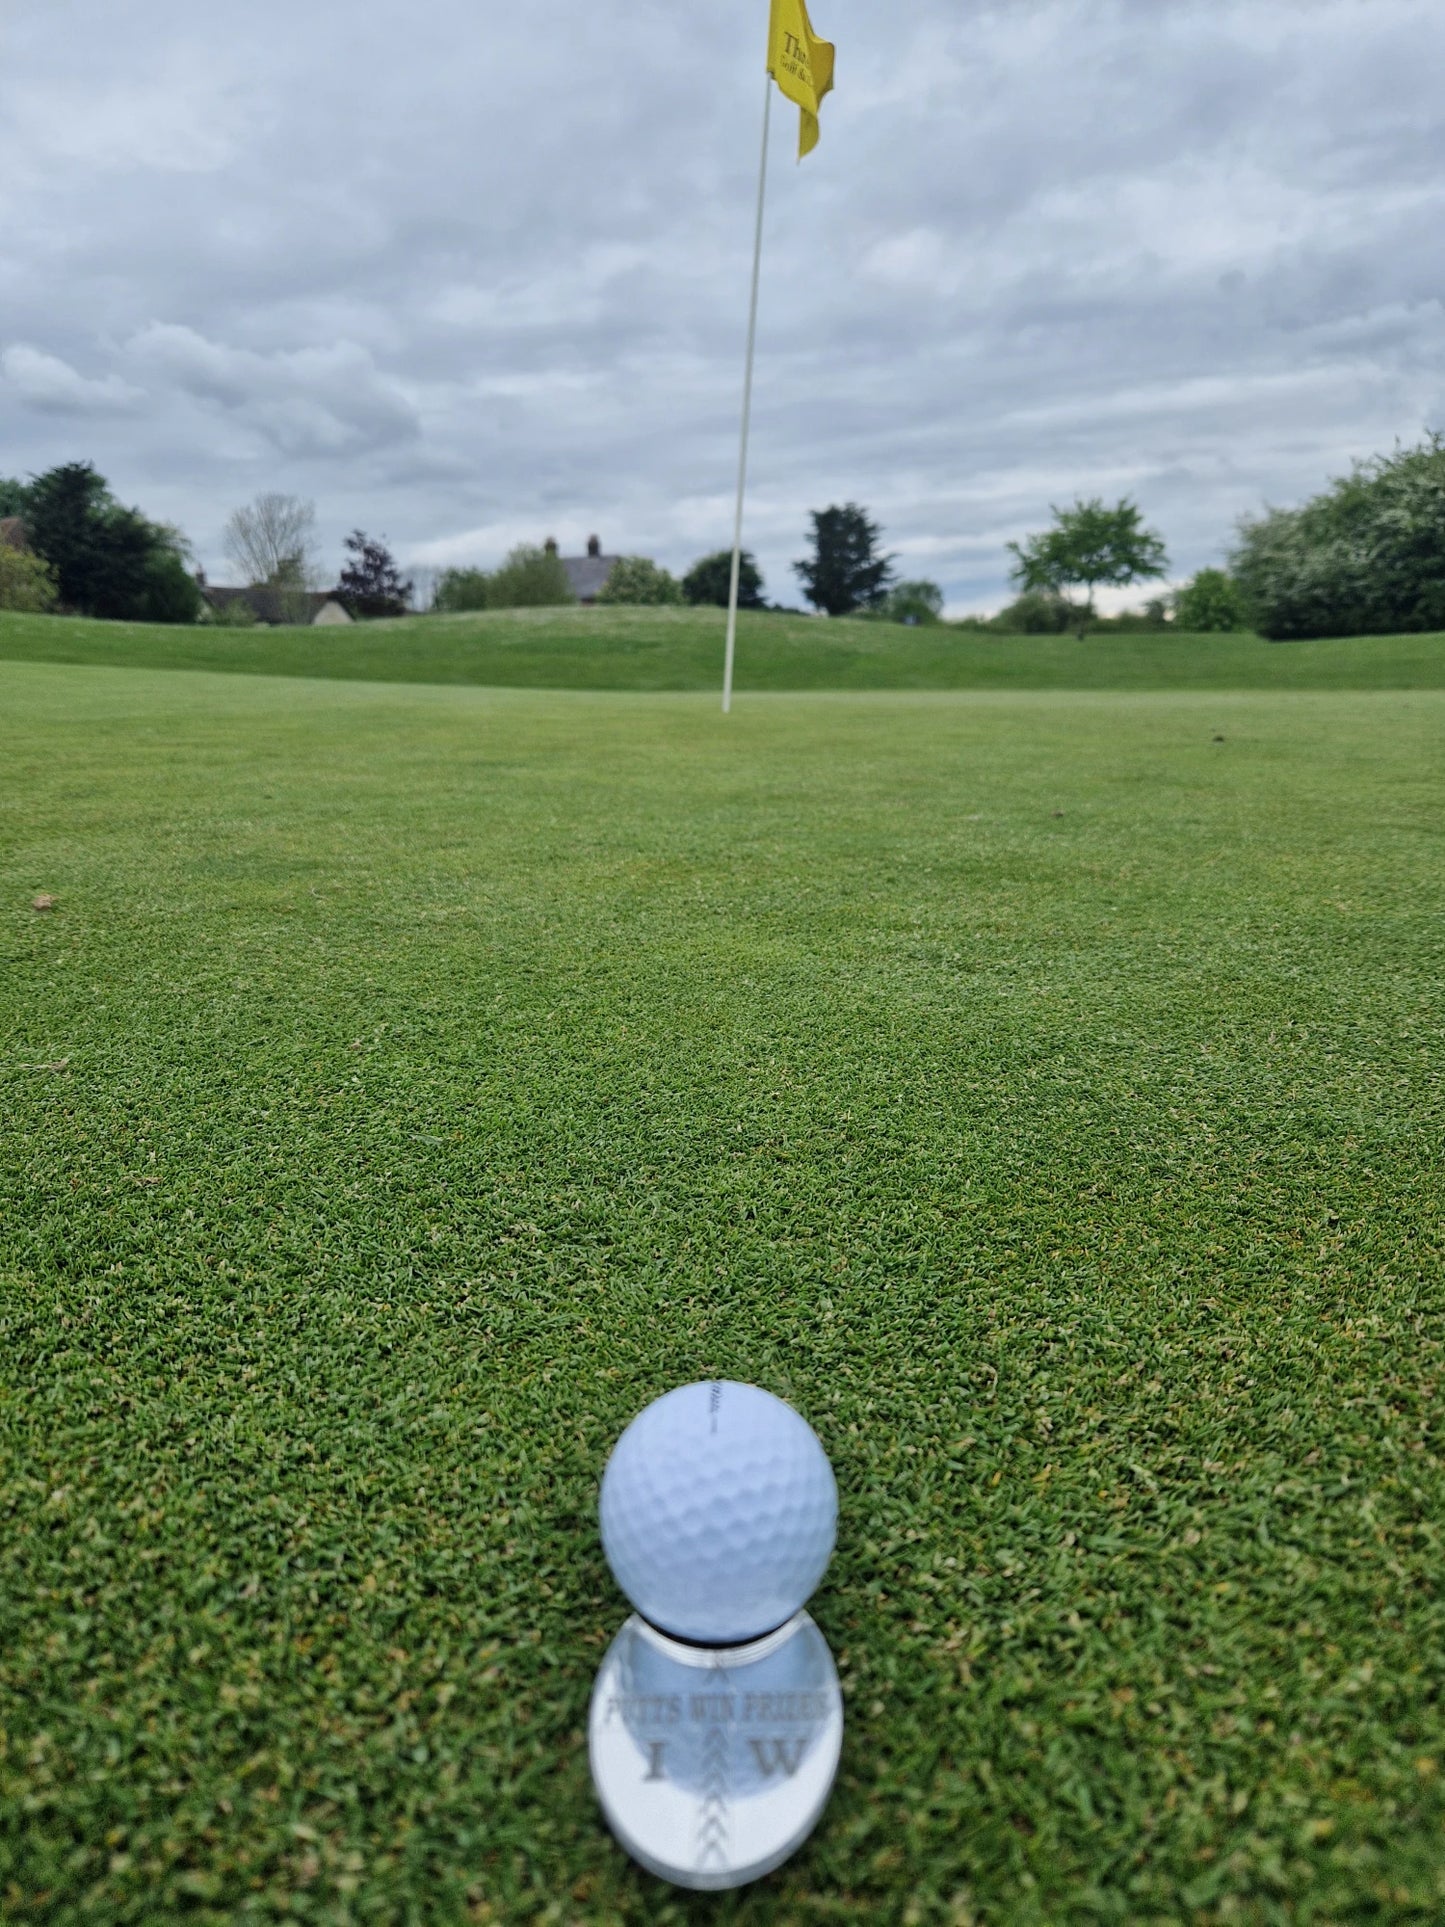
{"x": 719, "y": 1511}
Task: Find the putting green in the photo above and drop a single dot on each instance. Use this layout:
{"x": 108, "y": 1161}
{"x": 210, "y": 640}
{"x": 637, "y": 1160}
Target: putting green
{"x": 1041, "y": 1090}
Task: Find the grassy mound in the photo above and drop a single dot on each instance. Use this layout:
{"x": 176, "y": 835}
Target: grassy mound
{"x": 1042, "y": 1092}
{"x": 682, "y": 649}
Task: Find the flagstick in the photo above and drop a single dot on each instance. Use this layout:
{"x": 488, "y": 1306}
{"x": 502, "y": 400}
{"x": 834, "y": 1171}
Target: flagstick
{"x": 727, "y": 700}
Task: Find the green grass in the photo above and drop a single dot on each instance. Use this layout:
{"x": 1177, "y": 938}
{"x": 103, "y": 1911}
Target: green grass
{"x": 410, "y": 1083}
{"x": 682, "y": 649}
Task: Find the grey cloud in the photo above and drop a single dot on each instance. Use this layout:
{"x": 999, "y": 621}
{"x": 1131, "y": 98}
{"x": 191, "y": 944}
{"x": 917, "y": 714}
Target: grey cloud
{"x": 472, "y": 280}
{"x": 50, "y": 386}
{"x": 311, "y": 401}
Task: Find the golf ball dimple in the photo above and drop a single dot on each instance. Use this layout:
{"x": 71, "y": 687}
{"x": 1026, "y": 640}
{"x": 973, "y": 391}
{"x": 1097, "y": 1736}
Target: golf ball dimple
{"x": 719, "y": 1511}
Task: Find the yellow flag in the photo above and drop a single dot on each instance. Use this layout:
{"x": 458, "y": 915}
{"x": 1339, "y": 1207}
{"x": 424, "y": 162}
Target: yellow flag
{"x": 801, "y": 64}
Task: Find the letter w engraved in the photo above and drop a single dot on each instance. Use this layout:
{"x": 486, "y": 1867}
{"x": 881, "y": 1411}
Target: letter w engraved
{"x": 778, "y": 1755}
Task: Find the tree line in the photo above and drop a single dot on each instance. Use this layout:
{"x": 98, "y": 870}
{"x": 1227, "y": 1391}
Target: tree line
{"x": 533, "y": 577}
{"x": 1366, "y": 556}
{"x": 86, "y": 551}
{"x": 844, "y": 573}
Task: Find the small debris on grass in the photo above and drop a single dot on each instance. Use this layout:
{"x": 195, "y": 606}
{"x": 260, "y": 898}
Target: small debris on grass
{"x": 1219, "y": 739}
{"x": 1058, "y": 812}
{"x": 44, "y": 902}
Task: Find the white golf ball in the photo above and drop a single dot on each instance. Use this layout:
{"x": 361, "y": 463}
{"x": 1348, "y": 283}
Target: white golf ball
{"x": 719, "y": 1511}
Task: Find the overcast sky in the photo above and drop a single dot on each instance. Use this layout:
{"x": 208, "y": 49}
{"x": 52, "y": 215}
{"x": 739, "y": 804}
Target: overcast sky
{"x": 469, "y": 274}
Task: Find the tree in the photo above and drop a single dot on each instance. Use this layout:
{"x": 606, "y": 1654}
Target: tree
{"x": 1367, "y": 557}
{"x": 845, "y": 571}
{"x": 272, "y": 542}
{"x": 530, "y": 578}
{"x": 710, "y": 581}
{"x": 1035, "y": 613}
{"x": 108, "y": 560}
{"x": 27, "y": 583}
{"x": 370, "y": 584}
{"x": 460, "y": 590}
{"x": 13, "y": 495}
{"x": 1090, "y": 544}
{"x": 1210, "y": 601}
{"x": 633, "y": 579}
{"x": 68, "y": 520}
{"x": 913, "y": 602}
{"x": 171, "y": 592}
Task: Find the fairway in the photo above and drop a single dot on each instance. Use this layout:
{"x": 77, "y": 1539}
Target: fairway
{"x": 1041, "y": 1089}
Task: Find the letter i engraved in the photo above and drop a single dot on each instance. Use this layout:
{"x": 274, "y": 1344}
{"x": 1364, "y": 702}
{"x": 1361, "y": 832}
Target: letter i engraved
{"x": 712, "y": 1828}
{"x": 656, "y": 1754}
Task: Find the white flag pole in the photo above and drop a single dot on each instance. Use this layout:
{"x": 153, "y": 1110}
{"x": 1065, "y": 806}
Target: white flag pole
{"x": 727, "y": 700}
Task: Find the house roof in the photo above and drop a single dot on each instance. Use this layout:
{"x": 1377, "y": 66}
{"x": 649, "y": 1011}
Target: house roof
{"x": 270, "y": 604}
{"x": 587, "y": 573}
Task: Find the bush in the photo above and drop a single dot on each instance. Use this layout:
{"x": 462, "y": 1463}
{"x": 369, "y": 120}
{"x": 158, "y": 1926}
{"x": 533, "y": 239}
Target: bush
{"x": 1149, "y": 620}
{"x": 1297, "y": 579}
{"x": 460, "y": 590}
{"x": 1036, "y": 613}
{"x": 170, "y": 592}
{"x": 234, "y": 613}
{"x": 27, "y": 584}
{"x": 710, "y": 581}
{"x": 1365, "y": 558}
{"x": 915, "y": 603}
{"x": 530, "y": 578}
{"x": 918, "y": 601}
{"x": 1209, "y": 603}
{"x": 636, "y": 580}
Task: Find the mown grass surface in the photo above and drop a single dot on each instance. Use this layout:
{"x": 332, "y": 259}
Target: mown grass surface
{"x": 682, "y": 649}
{"x": 1040, "y": 1091}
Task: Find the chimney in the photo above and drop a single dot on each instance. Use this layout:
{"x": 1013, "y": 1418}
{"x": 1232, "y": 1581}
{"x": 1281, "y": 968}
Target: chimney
{"x": 594, "y": 547}
{"x": 550, "y": 545}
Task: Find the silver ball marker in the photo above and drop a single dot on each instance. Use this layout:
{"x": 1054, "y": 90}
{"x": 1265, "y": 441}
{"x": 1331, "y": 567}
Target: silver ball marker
{"x": 714, "y": 1764}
